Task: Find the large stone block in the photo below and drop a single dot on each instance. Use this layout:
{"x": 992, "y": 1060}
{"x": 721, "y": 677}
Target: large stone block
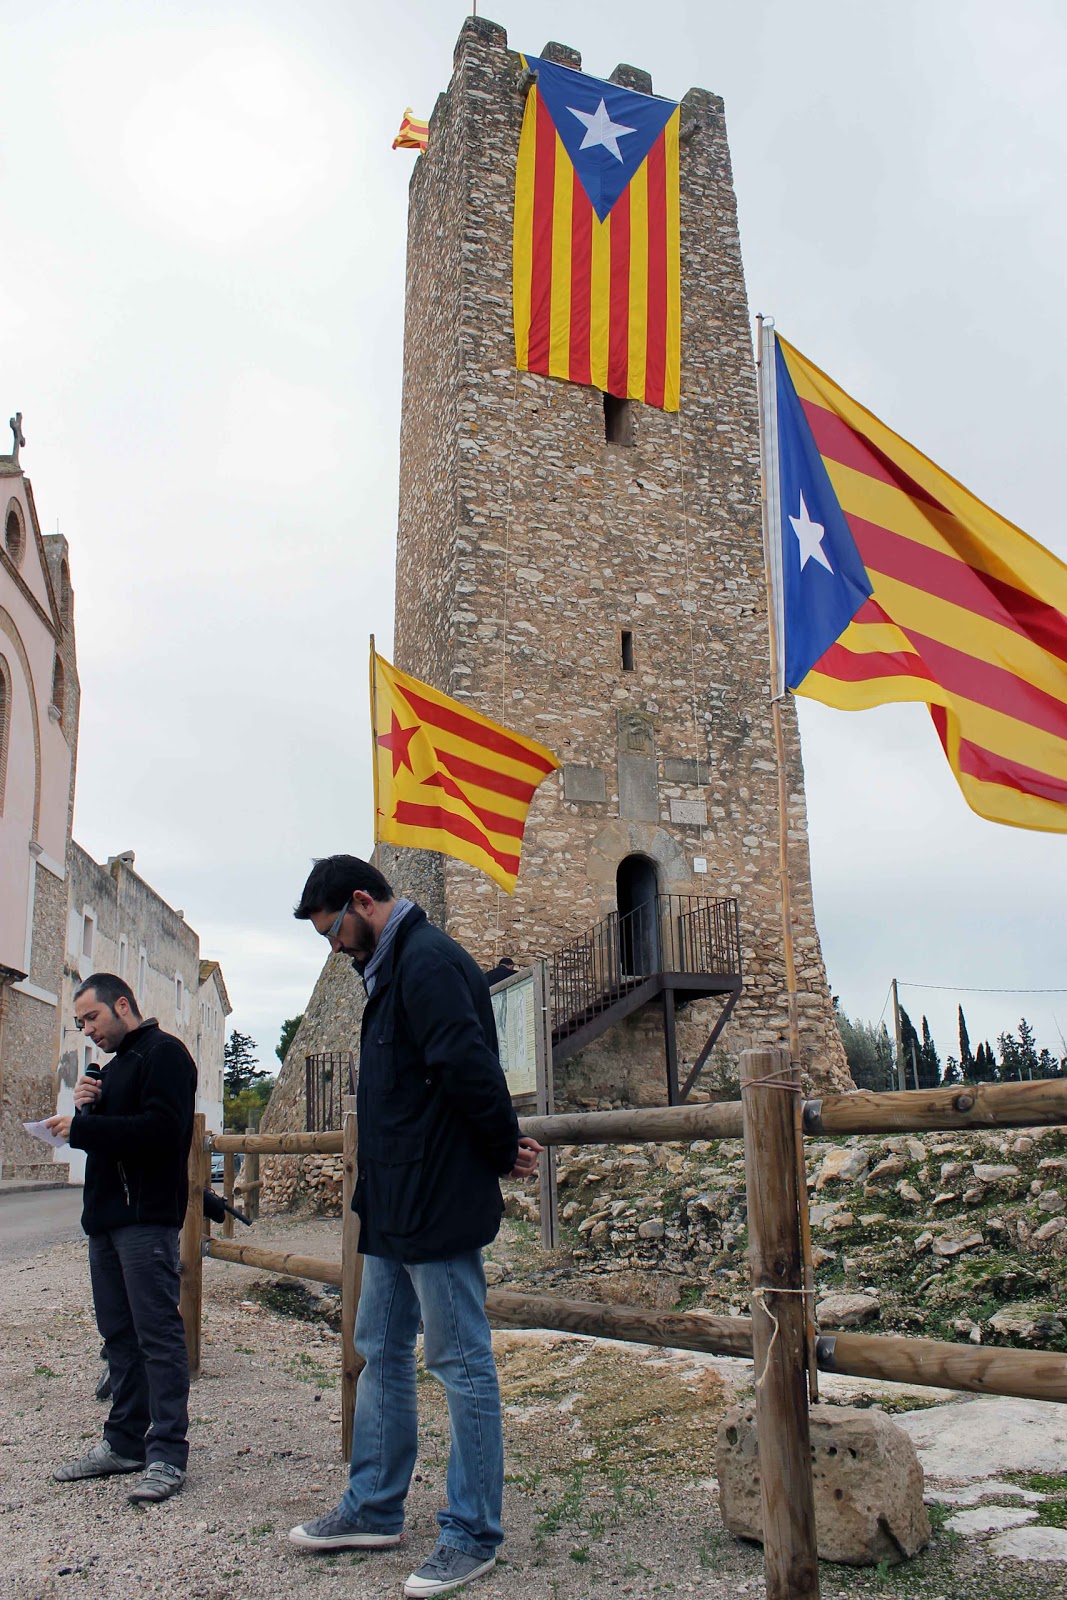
{"x": 868, "y": 1484}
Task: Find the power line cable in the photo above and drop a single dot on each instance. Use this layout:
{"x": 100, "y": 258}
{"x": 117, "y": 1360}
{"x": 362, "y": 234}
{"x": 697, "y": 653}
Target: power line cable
{"x": 962, "y": 988}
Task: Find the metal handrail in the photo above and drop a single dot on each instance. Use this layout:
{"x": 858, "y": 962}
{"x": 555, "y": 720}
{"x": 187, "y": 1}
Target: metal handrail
{"x": 682, "y": 933}
{"x": 328, "y": 1078}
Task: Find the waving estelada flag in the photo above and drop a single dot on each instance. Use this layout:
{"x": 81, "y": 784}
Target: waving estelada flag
{"x": 596, "y": 277}
{"x": 892, "y": 582}
{"x": 414, "y": 133}
{"x": 448, "y": 779}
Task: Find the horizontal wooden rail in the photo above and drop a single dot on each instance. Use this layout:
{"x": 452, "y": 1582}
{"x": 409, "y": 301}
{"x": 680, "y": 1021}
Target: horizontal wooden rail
{"x": 660, "y": 1124}
{"x": 248, "y": 1255}
{"x": 991, "y": 1105}
{"x": 925, "y": 1363}
{"x": 279, "y": 1144}
{"x": 1025, "y": 1374}
{"x": 678, "y": 1330}
{"x": 1005, "y": 1105}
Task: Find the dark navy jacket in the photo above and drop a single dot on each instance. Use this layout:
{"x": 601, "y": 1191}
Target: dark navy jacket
{"x": 436, "y": 1125}
{"x": 137, "y": 1134}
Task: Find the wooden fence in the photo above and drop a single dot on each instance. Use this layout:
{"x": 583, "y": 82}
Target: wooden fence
{"x": 779, "y": 1336}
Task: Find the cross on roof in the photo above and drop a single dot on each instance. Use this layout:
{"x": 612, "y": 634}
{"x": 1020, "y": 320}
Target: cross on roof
{"x": 15, "y": 424}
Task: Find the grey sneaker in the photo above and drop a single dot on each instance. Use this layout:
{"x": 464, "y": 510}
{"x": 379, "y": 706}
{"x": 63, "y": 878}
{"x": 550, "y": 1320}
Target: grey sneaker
{"x": 336, "y": 1530}
{"x": 160, "y": 1481}
{"x": 446, "y": 1569}
{"x": 99, "y": 1462}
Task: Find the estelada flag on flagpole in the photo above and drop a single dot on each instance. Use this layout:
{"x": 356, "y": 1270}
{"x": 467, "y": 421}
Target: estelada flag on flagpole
{"x": 896, "y": 583}
{"x": 414, "y": 133}
{"x": 596, "y": 275}
{"x": 449, "y": 779}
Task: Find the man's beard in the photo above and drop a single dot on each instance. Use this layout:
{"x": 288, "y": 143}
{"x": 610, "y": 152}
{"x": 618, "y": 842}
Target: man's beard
{"x": 364, "y": 939}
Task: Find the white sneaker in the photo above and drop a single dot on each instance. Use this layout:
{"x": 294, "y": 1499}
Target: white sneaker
{"x": 446, "y": 1569}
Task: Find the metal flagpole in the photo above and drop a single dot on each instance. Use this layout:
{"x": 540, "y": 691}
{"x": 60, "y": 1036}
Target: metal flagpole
{"x": 374, "y": 731}
{"x": 772, "y": 558}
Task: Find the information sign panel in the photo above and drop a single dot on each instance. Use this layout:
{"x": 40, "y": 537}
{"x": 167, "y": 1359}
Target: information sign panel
{"x": 514, "y": 1007}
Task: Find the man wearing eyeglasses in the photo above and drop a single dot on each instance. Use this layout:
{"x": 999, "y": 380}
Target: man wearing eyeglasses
{"x": 135, "y": 1122}
{"x": 437, "y": 1131}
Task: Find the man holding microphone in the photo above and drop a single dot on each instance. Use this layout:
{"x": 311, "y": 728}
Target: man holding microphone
{"x": 135, "y": 1123}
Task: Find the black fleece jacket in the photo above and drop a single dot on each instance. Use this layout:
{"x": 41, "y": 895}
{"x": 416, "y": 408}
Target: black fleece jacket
{"x": 437, "y": 1128}
{"x": 137, "y": 1134}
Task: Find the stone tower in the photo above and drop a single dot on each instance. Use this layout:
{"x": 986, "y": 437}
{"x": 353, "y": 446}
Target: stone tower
{"x": 605, "y": 596}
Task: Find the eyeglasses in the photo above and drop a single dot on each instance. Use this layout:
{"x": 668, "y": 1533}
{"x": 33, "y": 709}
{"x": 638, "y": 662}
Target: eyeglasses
{"x": 334, "y": 930}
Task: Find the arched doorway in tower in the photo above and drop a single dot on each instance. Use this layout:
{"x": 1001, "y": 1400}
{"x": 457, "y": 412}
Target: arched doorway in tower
{"x": 636, "y": 888}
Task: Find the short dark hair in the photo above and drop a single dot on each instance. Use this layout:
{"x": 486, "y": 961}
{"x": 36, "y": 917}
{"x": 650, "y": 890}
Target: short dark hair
{"x": 333, "y": 881}
{"x": 108, "y": 987}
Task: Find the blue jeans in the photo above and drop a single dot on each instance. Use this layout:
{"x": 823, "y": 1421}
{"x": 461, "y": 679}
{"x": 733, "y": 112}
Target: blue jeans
{"x": 449, "y": 1298}
{"x": 134, "y": 1273}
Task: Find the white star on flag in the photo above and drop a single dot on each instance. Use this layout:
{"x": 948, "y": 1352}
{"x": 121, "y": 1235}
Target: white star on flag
{"x": 810, "y": 534}
{"x": 599, "y": 129}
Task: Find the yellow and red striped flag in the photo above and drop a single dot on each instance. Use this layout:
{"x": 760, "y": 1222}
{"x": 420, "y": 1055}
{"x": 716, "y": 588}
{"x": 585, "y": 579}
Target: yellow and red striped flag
{"x": 596, "y": 274}
{"x": 414, "y": 133}
{"x": 896, "y": 583}
{"x": 449, "y": 779}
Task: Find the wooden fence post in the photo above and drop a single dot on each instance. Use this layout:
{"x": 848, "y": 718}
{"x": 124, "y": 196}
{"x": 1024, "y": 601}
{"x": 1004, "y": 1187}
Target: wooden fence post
{"x": 191, "y": 1291}
{"x": 790, "y": 1557}
{"x": 351, "y": 1277}
{"x": 546, "y": 1104}
{"x": 228, "y": 1166}
{"x": 250, "y": 1172}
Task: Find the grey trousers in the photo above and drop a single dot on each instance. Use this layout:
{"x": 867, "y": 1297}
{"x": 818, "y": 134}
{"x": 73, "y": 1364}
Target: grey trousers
{"x": 135, "y": 1281}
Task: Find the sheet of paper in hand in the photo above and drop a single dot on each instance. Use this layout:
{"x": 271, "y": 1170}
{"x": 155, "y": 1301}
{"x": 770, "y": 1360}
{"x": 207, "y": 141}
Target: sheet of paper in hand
{"x": 39, "y": 1131}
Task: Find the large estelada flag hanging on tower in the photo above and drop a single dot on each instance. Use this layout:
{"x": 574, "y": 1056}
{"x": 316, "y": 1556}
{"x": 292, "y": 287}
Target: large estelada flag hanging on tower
{"x": 447, "y": 778}
{"x": 892, "y": 582}
{"x": 596, "y": 260}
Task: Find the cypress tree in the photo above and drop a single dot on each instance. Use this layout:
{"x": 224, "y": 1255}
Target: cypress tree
{"x": 929, "y": 1060}
{"x": 966, "y": 1057}
{"x": 985, "y": 1064}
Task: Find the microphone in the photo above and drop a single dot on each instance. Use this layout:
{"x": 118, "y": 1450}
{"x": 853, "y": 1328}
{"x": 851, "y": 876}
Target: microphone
{"x": 94, "y": 1071}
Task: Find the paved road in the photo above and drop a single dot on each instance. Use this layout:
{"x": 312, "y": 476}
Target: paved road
{"x": 32, "y": 1222}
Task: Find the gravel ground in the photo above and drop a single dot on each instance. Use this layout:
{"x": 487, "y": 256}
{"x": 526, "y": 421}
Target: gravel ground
{"x": 609, "y": 1450}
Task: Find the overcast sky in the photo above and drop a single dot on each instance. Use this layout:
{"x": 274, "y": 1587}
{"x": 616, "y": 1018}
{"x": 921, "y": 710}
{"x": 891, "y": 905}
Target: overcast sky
{"x": 201, "y": 318}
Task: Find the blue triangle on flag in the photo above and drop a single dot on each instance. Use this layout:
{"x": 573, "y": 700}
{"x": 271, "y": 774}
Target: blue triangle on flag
{"x": 824, "y": 580}
{"x": 607, "y": 131}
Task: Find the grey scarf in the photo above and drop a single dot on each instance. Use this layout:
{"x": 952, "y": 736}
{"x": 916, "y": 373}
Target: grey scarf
{"x": 396, "y": 917}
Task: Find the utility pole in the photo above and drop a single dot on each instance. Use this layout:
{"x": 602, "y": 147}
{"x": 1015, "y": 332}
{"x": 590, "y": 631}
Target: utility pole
{"x": 902, "y": 1082}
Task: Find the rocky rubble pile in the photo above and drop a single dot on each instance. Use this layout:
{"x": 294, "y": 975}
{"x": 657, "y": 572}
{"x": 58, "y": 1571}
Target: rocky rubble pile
{"x": 314, "y": 1180}
{"x": 959, "y": 1236}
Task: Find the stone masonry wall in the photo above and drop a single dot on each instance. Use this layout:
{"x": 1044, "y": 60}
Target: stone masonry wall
{"x": 31, "y": 1039}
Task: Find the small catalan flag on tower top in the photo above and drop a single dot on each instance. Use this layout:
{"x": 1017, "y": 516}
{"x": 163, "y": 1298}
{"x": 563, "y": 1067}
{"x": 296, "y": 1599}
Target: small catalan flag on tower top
{"x": 413, "y": 134}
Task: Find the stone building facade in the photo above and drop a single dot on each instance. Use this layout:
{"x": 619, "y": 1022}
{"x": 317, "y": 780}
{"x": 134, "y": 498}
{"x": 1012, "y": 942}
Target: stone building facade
{"x": 212, "y": 1010}
{"x": 116, "y": 922}
{"x": 606, "y": 598}
{"x": 39, "y": 707}
{"x": 62, "y": 915}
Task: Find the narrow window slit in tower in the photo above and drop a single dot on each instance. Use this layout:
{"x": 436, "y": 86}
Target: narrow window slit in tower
{"x": 627, "y": 650}
{"x": 618, "y": 420}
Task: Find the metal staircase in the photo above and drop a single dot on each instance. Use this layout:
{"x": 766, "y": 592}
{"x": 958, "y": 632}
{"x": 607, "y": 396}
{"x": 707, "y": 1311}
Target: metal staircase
{"x": 675, "y": 948}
